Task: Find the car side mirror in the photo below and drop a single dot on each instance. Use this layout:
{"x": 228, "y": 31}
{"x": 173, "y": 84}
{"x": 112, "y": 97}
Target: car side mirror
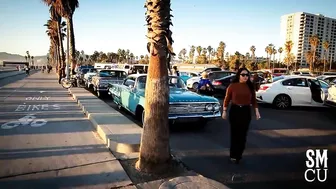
{"x": 130, "y": 86}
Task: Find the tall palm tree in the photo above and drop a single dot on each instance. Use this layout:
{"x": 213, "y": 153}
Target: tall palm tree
{"x": 325, "y": 46}
{"x": 55, "y": 15}
{"x": 192, "y": 53}
{"x": 28, "y": 55}
{"x": 221, "y": 50}
{"x": 199, "y": 50}
{"x": 154, "y": 148}
{"x": 56, "y": 36}
{"x": 274, "y": 51}
{"x": 314, "y": 42}
{"x": 280, "y": 50}
{"x": 131, "y": 57}
{"x": 310, "y": 57}
{"x": 253, "y": 49}
{"x": 209, "y": 51}
{"x": 288, "y": 50}
{"x": 32, "y": 60}
{"x": 269, "y": 50}
{"x": 66, "y": 8}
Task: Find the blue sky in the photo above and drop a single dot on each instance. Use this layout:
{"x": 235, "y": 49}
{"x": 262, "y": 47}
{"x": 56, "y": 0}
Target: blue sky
{"x": 106, "y": 25}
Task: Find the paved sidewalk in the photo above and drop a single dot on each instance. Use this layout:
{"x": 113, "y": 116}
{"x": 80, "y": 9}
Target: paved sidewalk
{"x": 46, "y": 142}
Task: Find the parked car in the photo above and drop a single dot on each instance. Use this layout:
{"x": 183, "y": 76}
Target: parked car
{"x": 293, "y": 90}
{"x": 330, "y": 99}
{"x": 327, "y": 78}
{"x": 101, "y": 81}
{"x": 329, "y": 73}
{"x": 185, "y": 75}
{"x": 88, "y": 77}
{"x": 183, "y": 104}
{"x": 302, "y": 73}
{"x": 222, "y": 84}
{"x": 192, "y": 83}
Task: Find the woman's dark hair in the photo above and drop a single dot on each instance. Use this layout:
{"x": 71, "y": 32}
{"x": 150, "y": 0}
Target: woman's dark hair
{"x": 248, "y": 82}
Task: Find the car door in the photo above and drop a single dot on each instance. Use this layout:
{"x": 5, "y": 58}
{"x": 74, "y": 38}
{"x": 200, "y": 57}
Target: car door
{"x": 315, "y": 88}
{"x": 126, "y": 91}
{"x": 134, "y": 98}
{"x": 298, "y": 90}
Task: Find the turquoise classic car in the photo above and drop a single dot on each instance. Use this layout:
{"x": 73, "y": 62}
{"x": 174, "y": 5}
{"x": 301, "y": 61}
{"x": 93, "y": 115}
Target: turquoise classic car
{"x": 184, "y": 105}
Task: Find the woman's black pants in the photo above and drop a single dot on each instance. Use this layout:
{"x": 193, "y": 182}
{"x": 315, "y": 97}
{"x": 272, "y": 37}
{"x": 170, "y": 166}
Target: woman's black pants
{"x": 239, "y": 118}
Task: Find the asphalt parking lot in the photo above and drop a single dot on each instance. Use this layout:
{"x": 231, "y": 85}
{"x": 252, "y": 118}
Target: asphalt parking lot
{"x": 275, "y": 155}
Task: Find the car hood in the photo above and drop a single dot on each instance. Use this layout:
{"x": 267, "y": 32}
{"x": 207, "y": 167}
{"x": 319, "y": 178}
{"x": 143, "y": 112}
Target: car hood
{"x": 183, "y": 95}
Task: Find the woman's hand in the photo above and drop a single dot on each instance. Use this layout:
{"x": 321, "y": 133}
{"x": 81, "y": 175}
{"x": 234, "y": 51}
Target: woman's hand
{"x": 257, "y": 115}
{"x": 224, "y": 115}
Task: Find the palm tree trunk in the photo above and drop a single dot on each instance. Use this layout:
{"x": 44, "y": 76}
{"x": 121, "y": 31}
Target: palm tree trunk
{"x": 313, "y": 62}
{"x": 154, "y": 149}
{"x": 72, "y": 47}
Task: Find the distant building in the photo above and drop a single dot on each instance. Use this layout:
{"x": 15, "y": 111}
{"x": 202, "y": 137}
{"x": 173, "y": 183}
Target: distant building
{"x": 13, "y": 63}
{"x": 298, "y": 27}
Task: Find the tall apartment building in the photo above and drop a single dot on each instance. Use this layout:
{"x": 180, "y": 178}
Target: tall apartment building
{"x": 298, "y": 27}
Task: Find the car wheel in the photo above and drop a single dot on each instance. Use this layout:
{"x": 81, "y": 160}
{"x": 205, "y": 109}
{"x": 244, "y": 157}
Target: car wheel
{"x": 195, "y": 85}
{"x": 282, "y": 101}
{"x": 143, "y": 117}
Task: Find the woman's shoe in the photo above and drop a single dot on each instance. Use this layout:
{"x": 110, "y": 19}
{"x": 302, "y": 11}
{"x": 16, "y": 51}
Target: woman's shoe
{"x": 234, "y": 160}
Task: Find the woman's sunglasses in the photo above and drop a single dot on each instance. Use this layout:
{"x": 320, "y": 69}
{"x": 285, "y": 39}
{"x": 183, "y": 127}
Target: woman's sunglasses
{"x": 245, "y": 75}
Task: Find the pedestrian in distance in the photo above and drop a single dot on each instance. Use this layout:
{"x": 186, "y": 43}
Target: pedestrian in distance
{"x": 27, "y": 70}
{"x": 241, "y": 94}
{"x": 175, "y": 73}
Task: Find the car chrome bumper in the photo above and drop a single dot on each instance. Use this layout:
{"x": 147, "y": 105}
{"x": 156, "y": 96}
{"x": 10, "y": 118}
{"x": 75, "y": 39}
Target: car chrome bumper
{"x": 186, "y": 117}
{"x": 102, "y": 89}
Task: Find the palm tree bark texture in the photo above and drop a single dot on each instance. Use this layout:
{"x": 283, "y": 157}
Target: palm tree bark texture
{"x": 154, "y": 148}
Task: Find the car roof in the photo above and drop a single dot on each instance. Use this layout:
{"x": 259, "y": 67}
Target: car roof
{"x": 225, "y": 77}
{"x": 139, "y": 75}
{"x": 224, "y": 71}
{"x": 296, "y": 76}
{"x": 113, "y": 69}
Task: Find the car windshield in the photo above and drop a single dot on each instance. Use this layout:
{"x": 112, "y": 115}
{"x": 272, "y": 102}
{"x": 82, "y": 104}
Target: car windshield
{"x": 174, "y": 82}
{"x": 105, "y": 74}
{"x": 84, "y": 70}
{"x": 324, "y": 84}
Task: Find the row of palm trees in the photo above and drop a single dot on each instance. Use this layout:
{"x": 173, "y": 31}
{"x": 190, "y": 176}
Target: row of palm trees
{"x": 57, "y": 30}
{"x": 122, "y": 56}
{"x": 29, "y": 58}
{"x": 154, "y": 149}
{"x": 271, "y": 51}
{"x": 155, "y": 153}
{"x": 204, "y": 54}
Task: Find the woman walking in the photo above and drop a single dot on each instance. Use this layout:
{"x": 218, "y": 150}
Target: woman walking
{"x": 241, "y": 94}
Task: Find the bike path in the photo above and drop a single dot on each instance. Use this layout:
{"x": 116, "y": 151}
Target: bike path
{"x": 46, "y": 142}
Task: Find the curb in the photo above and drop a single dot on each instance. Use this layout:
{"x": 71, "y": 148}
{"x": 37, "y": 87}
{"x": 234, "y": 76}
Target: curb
{"x": 192, "y": 182}
{"x": 120, "y": 134}
{"x": 11, "y": 75}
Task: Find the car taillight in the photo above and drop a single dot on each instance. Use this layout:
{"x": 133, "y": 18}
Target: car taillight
{"x": 263, "y": 88}
{"x": 217, "y": 83}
